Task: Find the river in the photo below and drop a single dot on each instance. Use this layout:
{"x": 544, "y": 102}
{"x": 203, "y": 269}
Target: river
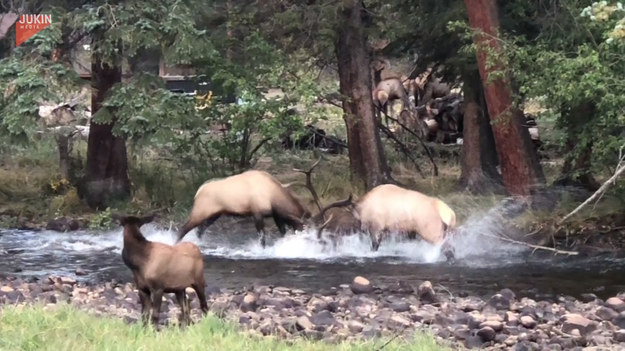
{"x": 235, "y": 259}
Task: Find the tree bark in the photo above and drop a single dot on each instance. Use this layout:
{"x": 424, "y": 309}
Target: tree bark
{"x": 479, "y": 158}
{"x": 366, "y": 155}
{"x": 520, "y": 169}
{"x": 63, "y": 143}
{"x": 229, "y": 32}
{"x": 6, "y": 21}
{"x": 577, "y": 165}
{"x": 107, "y": 163}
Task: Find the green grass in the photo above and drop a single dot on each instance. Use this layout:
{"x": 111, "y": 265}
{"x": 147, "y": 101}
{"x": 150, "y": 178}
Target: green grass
{"x": 66, "y": 328}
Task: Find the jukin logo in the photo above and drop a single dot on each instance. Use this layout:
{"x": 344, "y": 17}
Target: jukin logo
{"x": 29, "y": 25}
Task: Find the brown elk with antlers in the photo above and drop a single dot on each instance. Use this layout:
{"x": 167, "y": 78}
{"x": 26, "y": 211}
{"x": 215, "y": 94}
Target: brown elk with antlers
{"x": 390, "y": 208}
{"x": 252, "y": 193}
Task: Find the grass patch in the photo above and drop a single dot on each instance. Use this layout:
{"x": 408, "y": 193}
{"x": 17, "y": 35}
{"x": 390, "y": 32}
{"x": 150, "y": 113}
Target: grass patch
{"x": 609, "y": 208}
{"x": 64, "y": 327}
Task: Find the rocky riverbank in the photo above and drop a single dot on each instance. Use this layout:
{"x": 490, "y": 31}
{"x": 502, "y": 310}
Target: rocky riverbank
{"x": 362, "y": 310}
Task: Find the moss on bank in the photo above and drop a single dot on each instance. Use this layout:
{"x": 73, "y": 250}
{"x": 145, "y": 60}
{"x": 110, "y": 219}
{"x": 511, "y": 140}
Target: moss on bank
{"x": 67, "y": 328}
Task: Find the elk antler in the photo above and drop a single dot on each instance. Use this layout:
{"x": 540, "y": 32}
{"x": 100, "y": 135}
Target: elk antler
{"x": 309, "y": 184}
{"x": 288, "y": 185}
{"x": 323, "y": 226}
{"x": 321, "y": 214}
{"x": 341, "y": 203}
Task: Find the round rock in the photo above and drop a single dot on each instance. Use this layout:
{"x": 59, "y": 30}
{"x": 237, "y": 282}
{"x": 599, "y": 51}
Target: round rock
{"x": 426, "y": 293}
{"x": 355, "y": 326}
{"x": 606, "y": 313}
{"x": 249, "y": 303}
{"x": 528, "y": 322}
{"x": 615, "y": 303}
{"x": 361, "y": 285}
{"x": 400, "y": 306}
{"x": 487, "y": 334}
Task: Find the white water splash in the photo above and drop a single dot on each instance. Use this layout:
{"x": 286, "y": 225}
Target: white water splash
{"x": 475, "y": 241}
{"x": 471, "y": 248}
{"x": 304, "y": 245}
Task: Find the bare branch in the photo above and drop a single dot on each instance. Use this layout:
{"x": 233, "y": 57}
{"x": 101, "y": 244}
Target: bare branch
{"x": 535, "y": 247}
{"x": 404, "y": 127}
{"x": 597, "y": 193}
{"x": 257, "y": 147}
{"x": 403, "y": 147}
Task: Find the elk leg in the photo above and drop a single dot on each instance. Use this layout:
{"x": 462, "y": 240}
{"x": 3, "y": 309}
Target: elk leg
{"x": 260, "y": 228}
{"x": 205, "y": 224}
{"x": 280, "y": 223}
{"x": 181, "y": 296}
{"x": 294, "y": 222}
{"x": 157, "y": 299}
{"x": 375, "y": 241}
{"x": 386, "y": 113}
{"x": 146, "y": 305}
{"x": 449, "y": 252}
{"x": 201, "y": 295}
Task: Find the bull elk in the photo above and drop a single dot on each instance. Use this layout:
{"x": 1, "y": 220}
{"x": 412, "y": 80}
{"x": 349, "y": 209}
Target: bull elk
{"x": 390, "y": 208}
{"x": 257, "y": 194}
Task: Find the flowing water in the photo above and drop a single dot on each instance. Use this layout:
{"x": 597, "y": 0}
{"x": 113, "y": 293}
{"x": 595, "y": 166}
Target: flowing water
{"x": 235, "y": 259}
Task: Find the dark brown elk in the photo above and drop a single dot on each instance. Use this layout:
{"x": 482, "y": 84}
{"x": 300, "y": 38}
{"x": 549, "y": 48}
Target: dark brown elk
{"x": 389, "y": 208}
{"x": 425, "y": 88}
{"x": 160, "y": 268}
{"x": 433, "y": 89}
{"x": 252, "y": 193}
{"x": 532, "y": 128}
{"x": 448, "y": 117}
{"x": 314, "y": 138}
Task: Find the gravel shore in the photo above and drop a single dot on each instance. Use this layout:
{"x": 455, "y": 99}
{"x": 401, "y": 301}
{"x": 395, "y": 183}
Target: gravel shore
{"x": 362, "y": 310}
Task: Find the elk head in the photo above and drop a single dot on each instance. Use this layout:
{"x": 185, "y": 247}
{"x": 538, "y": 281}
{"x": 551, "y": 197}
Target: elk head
{"x": 314, "y": 220}
{"x": 124, "y": 220}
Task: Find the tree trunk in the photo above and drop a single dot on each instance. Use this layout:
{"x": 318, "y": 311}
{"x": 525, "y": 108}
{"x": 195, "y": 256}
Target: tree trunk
{"x": 479, "y": 158}
{"x": 65, "y": 162}
{"x": 229, "y": 32}
{"x": 107, "y": 163}
{"x": 6, "y": 21}
{"x": 520, "y": 168}
{"x": 356, "y": 163}
{"x": 577, "y": 165}
{"x": 366, "y": 155}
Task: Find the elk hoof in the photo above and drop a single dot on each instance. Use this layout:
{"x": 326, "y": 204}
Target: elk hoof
{"x": 451, "y": 257}
{"x": 263, "y": 243}
{"x": 375, "y": 246}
